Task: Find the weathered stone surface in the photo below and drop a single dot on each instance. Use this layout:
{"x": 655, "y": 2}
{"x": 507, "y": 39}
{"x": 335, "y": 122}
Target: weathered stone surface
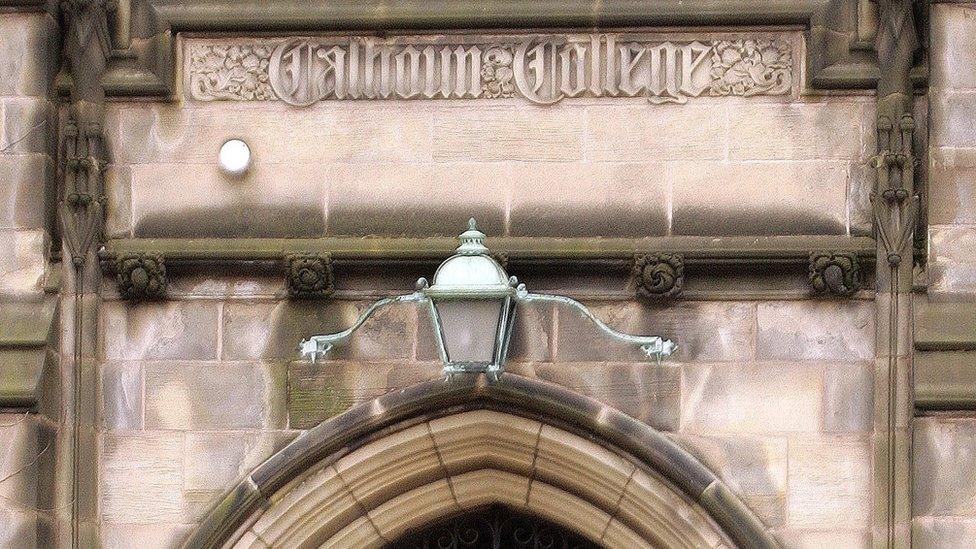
{"x": 645, "y": 391}
{"x": 414, "y": 198}
{"x": 19, "y": 527}
{"x": 508, "y": 134}
{"x": 952, "y": 186}
{"x": 813, "y": 539}
{"x": 759, "y": 198}
{"x": 592, "y": 199}
{"x": 943, "y": 532}
{"x": 345, "y": 133}
{"x": 637, "y": 134}
{"x": 25, "y": 178}
{"x": 753, "y": 467}
{"x": 184, "y": 330}
{"x": 212, "y": 460}
{"x": 532, "y": 335}
{"x": 141, "y": 478}
{"x": 716, "y": 331}
{"x": 122, "y": 398}
{"x": 22, "y": 260}
{"x": 207, "y": 395}
{"x": 740, "y": 398}
{"x": 953, "y": 37}
{"x": 118, "y": 197}
{"x": 27, "y": 453}
{"x": 795, "y": 131}
{"x": 187, "y": 200}
{"x": 952, "y": 112}
{"x": 952, "y": 262}
{"x": 318, "y": 391}
{"x": 848, "y": 398}
{"x": 26, "y": 40}
{"x": 126, "y": 536}
{"x": 944, "y": 450}
{"x": 27, "y": 125}
{"x": 816, "y": 330}
{"x": 829, "y": 484}
{"x": 274, "y": 330}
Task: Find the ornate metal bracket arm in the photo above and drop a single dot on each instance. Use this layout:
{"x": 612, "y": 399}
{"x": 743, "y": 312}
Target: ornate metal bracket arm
{"x": 317, "y": 346}
{"x": 653, "y": 346}
{"x": 310, "y": 275}
{"x": 141, "y": 276}
{"x": 835, "y": 273}
{"x": 659, "y": 275}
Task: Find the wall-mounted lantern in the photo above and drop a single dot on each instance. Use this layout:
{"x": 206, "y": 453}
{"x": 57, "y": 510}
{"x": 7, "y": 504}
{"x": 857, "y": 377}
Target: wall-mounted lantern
{"x": 472, "y": 305}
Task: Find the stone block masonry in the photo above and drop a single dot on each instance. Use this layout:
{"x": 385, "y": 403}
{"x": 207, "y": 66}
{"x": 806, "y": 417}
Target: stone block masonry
{"x": 755, "y": 400}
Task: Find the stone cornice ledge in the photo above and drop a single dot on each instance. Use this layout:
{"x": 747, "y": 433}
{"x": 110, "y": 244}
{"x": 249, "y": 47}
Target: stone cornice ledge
{"x": 746, "y": 250}
{"x": 300, "y": 15}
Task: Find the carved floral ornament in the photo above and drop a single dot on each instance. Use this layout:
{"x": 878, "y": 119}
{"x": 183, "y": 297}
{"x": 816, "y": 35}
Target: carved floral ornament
{"x": 540, "y": 69}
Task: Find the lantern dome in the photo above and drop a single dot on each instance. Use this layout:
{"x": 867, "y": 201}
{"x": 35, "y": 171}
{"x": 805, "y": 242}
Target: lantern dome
{"x": 471, "y": 269}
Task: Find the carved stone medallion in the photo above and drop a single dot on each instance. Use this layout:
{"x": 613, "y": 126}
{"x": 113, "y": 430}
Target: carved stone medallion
{"x": 543, "y": 69}
{"x": 659, "y": 275}
{"x": 310, "y": 275}
{"x": 837, "y": 274}
{"x": 141, "y": 276}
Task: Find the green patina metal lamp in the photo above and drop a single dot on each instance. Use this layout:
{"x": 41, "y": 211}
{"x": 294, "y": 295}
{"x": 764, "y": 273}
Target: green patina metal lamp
{"x": 472, "y": 305}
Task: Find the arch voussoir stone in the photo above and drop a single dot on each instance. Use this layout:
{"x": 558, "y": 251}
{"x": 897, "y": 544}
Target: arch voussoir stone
{"x": 447, "y": 446}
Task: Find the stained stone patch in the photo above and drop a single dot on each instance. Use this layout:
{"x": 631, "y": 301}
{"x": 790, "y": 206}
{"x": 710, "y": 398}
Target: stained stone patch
{"x": 206, "y": 395}
{"x": 771, "y": 197}
{"x": 141, "y": 478}
{"x": 829, "y": 484}
{"x": 943, "y": 532}
{"x": 29, "y": 39}
{"x": 848, "y": 397}
{"x": 945, "y": 450}
{"x": 755, "y": 468}
{"x": 171, "y": 330}
{"x": 319, "y": 391}
{"x": 273, "y": 330}
{"x": 952, "y": 267}
{"x": 704, "y": 331}
{"x": 751, "y": 398}
{"x": 122, "y": 397}
{"x": 816, "y": 330}
{"x": 22, "y": 260}
{"x": 645, "y": 391}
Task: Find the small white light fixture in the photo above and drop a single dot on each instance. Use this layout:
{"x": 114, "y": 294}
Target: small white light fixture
{"x": 234, "y": 157}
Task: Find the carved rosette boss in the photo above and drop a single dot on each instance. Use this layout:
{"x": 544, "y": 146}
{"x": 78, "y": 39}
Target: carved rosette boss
{"x": 310, "y": 275}
{"x": 659, "y": 275}
{"x": 141, "y": 276}
{"x": 835, "y": 274}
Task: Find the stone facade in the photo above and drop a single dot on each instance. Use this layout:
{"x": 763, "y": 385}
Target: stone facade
{"x": 741, "y": 148}
{"x": 943, "y": 478}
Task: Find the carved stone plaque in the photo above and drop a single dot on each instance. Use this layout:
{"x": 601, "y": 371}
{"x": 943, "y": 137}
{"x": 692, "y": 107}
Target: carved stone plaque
{"x": 542, "y": 69}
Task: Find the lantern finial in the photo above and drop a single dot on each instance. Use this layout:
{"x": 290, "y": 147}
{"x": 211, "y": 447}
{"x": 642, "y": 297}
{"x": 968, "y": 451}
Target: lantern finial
{"x": 472, "y": 240}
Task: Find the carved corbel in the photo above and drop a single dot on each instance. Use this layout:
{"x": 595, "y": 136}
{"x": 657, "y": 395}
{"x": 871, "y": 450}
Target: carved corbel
{"x": 837, "y": 274}
{"x": 310, "y": 275}
{"x": 659, "y": 275}
{"x": 141, "y": 277}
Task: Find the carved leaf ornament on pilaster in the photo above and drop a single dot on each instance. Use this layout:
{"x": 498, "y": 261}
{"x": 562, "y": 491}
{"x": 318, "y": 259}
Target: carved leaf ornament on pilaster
{"x": 660, "y": 275}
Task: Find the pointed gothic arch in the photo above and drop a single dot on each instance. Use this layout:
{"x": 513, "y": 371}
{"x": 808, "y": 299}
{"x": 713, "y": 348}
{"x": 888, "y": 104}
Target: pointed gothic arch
{"x": 440, "y": 448}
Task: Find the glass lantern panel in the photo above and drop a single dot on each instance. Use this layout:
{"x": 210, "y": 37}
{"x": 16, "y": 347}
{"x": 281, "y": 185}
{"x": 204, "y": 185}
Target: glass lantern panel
{"x": 470, "y": 328}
